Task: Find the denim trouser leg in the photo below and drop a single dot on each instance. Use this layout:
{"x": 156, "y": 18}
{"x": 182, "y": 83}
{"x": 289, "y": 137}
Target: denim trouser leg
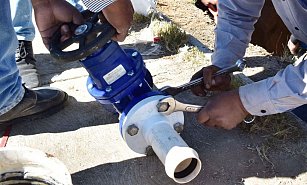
{"x": 21, "y": 12}
{"x": 11, "y": 90}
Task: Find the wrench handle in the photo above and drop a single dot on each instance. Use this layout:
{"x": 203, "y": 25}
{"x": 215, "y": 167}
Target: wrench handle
{"x": 238, "y": 66}
{"x": 192, "y": 108}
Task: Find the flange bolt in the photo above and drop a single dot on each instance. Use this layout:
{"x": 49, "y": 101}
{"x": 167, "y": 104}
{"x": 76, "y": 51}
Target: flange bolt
{"x": 132, "y": 130}
{"x": 134, "y": 54}
{"x": 178, "y": 127}
{"x": 149, "y": 151}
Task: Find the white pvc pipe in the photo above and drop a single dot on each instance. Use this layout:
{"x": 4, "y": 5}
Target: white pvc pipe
{"x": 155, "y": 129}
{"x": 181, "y": 162}
{"x": 22, "y": 165}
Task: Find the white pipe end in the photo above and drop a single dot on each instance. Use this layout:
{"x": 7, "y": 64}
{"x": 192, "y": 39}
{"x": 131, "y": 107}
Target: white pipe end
{"x": 23, "y": 165}
{"x": 182, "y": 164}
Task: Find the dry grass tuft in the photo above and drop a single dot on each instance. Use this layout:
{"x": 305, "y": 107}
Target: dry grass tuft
{"x": 263, "y": 154}
{"x": 276, "y": 128}
{"x": 172, "y": 37}
{"x": 139, "y": 18}
{"x": 287, "y": 57}
{"x": 196, "y": 57}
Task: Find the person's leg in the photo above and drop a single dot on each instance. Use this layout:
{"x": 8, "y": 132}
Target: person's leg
{"x": 21, "y": 12}
{"x": 17, "y": 102}
{"x": 11, "y": 91}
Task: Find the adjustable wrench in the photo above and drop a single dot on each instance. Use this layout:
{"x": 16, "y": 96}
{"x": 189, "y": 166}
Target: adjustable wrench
{"x": 238, "y": 66}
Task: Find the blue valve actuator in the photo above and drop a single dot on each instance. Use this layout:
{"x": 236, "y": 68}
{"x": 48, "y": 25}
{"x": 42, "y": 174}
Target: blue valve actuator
{"x": 116, "y": 75}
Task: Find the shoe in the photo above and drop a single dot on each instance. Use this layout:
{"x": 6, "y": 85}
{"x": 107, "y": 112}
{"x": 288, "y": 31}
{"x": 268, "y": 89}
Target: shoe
{"x": 26, "y": 64}
{"x": 37, "y": 103}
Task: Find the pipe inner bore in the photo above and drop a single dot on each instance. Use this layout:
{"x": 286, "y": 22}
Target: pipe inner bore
{"x": 185, "y": 168}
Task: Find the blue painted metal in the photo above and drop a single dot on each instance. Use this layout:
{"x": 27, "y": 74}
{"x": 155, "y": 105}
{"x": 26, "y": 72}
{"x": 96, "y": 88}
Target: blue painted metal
{"x": 303, "y": 45}
{"x": 116, "y": 76}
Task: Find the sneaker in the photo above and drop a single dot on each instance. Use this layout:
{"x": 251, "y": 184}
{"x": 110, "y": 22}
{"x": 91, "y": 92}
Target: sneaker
{"x": 37, "y": 103}
{"x": 26, "y": 64}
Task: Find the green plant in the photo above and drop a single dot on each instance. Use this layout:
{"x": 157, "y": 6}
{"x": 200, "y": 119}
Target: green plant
{"x": 139, "y": 18}
{"x": 172, "y": 37}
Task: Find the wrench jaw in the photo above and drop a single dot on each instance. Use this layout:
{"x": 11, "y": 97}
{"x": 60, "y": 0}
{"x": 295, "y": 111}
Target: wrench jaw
{"x": 170, "y": 105}
{"x": 166, "y": 105}
{"x": 162, "y": 106}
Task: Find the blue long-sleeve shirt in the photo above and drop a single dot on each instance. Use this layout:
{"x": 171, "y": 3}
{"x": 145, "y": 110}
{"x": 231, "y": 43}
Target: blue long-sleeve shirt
{"x": 288, "y": 88}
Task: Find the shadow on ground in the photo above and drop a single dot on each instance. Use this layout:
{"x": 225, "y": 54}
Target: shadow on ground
{"x": 269, "y": 67}
{"x": 74, "y": 116}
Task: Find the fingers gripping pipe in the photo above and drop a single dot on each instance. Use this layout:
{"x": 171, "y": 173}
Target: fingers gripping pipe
{"x": 144, "y": 126}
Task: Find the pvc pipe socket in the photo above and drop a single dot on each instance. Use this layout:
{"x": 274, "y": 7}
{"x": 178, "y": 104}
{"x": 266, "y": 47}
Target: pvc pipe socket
{"x": 143, "y": 126}
{"x": 22, "y": 165}
{"x": 181, "y": 162}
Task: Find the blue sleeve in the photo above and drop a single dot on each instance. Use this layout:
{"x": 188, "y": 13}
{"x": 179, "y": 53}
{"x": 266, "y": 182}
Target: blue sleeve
{"x": 235, "y": 25}
{"x": 285, "y": 91}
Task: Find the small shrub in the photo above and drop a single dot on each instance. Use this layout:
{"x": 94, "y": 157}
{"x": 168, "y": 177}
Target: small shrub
{"x": 139, "y": 18}
{"x": 172, "y": 37}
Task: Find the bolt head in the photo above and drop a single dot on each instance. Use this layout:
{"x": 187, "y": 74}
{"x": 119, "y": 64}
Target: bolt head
{"x": 131, "y": 73}
{"x": 134, "y": 54}
{"x": 81, "y": 29}
{"x": 149, "y": 151}
{"x": 178, "y": 127}
{"x": 132, "y": 130}
{"x": 108, "y": 89}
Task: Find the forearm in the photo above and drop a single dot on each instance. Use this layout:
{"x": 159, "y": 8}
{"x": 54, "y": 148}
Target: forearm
{"x": 285, "y": 91}
{"x": 235, "y": 25}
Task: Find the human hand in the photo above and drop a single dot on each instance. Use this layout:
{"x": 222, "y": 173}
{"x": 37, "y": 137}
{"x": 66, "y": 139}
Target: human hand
{"x": 212, "y": 7}
{"x": 293, "y": 46}
{"x": 120, "y": 15}
{"x": 224, "y": 110}
{"x": 51, "y": 15}
{"x": 210, "y": 83}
